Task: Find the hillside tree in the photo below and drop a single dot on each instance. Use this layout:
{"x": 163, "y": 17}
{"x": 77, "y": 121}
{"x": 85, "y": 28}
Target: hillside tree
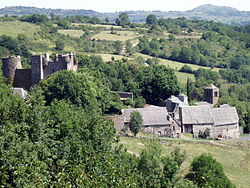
{"x": 122, "y": 19}
{"x": 135, "y": 122}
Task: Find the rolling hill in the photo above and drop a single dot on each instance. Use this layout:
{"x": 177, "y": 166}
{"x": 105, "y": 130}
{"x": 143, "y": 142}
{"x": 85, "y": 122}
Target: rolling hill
{"x": 221, "y": 14}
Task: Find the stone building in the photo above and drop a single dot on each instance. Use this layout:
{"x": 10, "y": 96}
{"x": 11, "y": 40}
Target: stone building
{"x": 211, "y": 94}
{"x": 41, "y": 68}
{"x": 178, "y": 117}
{"x": 222, "y": 122}
{"x": 155, "y": 121}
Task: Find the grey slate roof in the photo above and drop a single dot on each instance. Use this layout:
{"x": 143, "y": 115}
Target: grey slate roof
{"x": 196, "y": 115}
{"x": 224, "y": 115}
{"x": 176, "y": 100}
{"x": 206, "y": 115}
{"x": 211, "y": 86}
{"x": 151, "y": 116}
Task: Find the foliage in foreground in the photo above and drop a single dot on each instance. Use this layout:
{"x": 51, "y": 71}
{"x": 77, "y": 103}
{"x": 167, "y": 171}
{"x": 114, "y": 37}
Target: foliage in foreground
{"x": 64, "y": 145}
{"x": 207, "y": 172}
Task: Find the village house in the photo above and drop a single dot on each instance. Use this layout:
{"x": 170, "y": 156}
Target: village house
{"x": 178, "y": 117}
{"x": 155, "y": 121}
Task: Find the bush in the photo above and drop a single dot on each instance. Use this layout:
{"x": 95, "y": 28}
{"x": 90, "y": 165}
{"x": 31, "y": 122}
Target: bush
{"x": 207, "y": 172}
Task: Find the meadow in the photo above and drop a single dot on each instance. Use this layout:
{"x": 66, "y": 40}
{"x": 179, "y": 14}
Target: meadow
{"x": 235, "y": 161}
{"x": 71, "y": 32}
{"x": 13, "y": 28}
{"x": 177, "y": 65}
{"x": 118, "y": 35}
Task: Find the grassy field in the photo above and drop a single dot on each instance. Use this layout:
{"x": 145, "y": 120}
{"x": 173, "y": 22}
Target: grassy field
{"x": 176, "y": 65}
{"x": 71, "y": 32}
{"x": 182, "y": 77}
{"x": 98, "y": 25}
{"x": 236, "y": 162}
{"x": 107, "y": 57}
{"x": 120, "y": 35}
{"x": 13, "y": 28}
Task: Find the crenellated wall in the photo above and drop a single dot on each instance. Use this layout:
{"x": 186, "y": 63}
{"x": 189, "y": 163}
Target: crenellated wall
{"x": 41, "y": 68}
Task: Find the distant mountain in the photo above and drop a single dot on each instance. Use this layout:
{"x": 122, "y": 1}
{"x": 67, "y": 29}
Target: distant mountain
{"x": 221, "y": 14}
{"x": 212, "y": 8}
{"x": 20, "y": 10}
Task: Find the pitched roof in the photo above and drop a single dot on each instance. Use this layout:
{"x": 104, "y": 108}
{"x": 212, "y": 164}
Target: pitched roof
{"x": 196, "y": 115}
{"x": 207, "y": 115}
{"x": 151, "y": 116}
{"x": 211, "y": 86}
{"x": 224, "y": 115}
{"x": 175, "y": 99}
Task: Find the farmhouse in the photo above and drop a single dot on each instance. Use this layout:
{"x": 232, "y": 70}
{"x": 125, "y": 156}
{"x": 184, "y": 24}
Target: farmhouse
{"x": 155, "y": 121}
{"x": 178, "y": 117}
{"x": 41, "y": 68}
{"x": 222, "y": 122}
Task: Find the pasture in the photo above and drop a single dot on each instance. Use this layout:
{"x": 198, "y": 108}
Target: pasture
{"x": 71, "y": 32}
{"x": 118, "y": 35}
{"x": 107, "y": 27}
{"x": 235, "y": 161}
{"x": 14, "y": 28}
{"x": 177, "y": 65}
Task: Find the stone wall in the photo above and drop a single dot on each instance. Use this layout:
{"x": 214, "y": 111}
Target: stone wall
{"x": 22, "y": 78}
{"x": 162, "y": 130}
{"x": 41, "y": 68}
{"x": 227, "y": 131}
{"x": 224, "y": 131}
{"x": 118, "y": 121}
{"x": 10, "y": 65}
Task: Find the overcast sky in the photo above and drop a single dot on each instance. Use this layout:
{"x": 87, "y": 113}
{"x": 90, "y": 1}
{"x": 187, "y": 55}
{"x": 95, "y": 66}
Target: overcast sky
{"x": 122, "y": 5}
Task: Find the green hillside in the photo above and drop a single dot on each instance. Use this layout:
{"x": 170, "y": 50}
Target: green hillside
{"x": 235, "y": 161}
{"x": 13, "y": 28}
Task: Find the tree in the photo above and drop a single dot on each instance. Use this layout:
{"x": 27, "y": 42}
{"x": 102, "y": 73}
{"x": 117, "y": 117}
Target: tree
{"x": 60, "y": 44}
{"x": 118, "y": 47}
{"x": 122, "y": 19}
{"x": 207, "y": 172}
{"x": 151, "y": 19}
{"x": 190, "y": 88}
{"x": 81, "y": 89}
{"x": 107, "y": 20}
{"x": 157, "y": 83}
{"x": 65, "y": 24}
{"x": 135, "y": 122}
{"x": 129, "y": 46}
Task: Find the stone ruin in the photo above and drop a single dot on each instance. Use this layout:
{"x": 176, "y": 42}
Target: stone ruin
{"x": 41, "y": 68}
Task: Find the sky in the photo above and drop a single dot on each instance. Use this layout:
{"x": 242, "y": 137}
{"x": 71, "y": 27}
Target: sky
{"x": 122, "y": 5}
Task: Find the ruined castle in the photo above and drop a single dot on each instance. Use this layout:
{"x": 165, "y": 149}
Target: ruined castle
{"x": 41, "y": 68}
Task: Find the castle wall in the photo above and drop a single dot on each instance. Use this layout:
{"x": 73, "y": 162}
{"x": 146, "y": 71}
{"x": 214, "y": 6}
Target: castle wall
{"x": 41, "y": 68}
{"x": 22, "y": 78}
{"x": 53, "y": 67}
{"x": 9, "y": 67}
{"x": 37, "y": 63}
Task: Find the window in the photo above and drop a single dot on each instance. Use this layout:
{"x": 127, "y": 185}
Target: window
{"x": 216, "y": 93}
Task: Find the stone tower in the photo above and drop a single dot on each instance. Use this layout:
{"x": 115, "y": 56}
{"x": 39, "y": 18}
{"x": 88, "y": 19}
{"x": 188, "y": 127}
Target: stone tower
{"x": 211, "y": 94}
{"x": 10, "y": 65}
{"x": 38, "y": 62}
